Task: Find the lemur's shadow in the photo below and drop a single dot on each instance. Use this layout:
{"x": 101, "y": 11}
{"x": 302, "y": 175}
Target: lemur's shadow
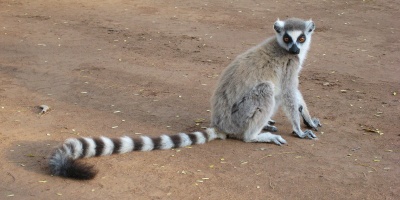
{"x": 32, "y": 156}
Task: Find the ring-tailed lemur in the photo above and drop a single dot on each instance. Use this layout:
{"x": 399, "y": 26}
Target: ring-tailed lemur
{"x": 249, "y": 92}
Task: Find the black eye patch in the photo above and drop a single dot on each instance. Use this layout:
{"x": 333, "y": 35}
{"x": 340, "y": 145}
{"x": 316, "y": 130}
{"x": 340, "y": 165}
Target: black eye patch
{"x": 287, "y": 39}
{"x": 301, "y": 38}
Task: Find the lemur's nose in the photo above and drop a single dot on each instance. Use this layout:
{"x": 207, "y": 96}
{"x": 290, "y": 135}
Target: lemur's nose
{"x": 294, "y": 49}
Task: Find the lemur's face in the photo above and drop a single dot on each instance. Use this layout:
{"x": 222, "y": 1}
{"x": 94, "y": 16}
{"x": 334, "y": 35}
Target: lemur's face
{"x": 294, "y": 35}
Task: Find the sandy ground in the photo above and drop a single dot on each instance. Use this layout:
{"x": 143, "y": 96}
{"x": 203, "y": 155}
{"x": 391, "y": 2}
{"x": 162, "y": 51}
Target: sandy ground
{"x": 119, "y": 67}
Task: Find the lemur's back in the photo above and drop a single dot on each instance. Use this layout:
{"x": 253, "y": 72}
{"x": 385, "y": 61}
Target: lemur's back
{"x": 262, "y": 63}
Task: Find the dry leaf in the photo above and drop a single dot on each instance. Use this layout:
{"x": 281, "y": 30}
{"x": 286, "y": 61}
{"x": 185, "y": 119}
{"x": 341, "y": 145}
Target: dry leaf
{"x": 372, "y": 130}
{"x": 44, "y": 108}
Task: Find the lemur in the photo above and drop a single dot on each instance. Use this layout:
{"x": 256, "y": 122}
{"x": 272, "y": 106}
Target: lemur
{"x": 248, "y": 94}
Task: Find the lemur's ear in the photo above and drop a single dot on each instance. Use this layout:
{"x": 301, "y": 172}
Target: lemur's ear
{"x": 310, "y": 26}
{"x": 278, "y": 25}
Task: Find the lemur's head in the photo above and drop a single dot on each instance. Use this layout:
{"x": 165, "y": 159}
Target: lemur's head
{"x": 294, "y": 34}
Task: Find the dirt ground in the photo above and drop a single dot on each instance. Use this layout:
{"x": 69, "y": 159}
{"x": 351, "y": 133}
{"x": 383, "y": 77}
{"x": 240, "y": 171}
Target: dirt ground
{"x": 119, "y": 67}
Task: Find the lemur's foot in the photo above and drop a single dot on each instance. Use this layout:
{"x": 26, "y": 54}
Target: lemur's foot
{"x": 306, "y": 134}
{"x": 269, "y": 137}
{"x": 270, "y": 128}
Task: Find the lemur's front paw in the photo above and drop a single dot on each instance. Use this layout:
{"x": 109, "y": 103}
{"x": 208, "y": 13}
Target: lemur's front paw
{"x": 315, "y": 124}
{"x": 306, "y": 134}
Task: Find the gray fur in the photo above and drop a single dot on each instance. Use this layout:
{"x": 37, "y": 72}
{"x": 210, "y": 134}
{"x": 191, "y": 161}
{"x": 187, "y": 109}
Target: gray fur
{"x": 258, "y": 81}
{"x": 249, "y": 92}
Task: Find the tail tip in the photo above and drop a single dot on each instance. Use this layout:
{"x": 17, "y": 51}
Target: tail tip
{"x": 74, "y": 169}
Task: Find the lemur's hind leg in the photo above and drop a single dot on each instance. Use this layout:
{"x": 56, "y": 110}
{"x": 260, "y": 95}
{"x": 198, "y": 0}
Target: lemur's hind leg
{"x": 270, "y": 125}
{"x": 253, "y": 111}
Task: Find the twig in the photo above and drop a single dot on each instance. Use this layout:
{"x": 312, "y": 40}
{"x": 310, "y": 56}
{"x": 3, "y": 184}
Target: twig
{"x": 365, "y": 165}
{"x": 270, "y": 184}
{"x": 287, "y": 152}
{"x": 11, "y": 176}
{"x": 270, "y": 155}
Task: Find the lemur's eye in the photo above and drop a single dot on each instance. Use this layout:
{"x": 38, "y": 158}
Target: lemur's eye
{"x": 301, "y": 39}
{"x": 286, "y": 39}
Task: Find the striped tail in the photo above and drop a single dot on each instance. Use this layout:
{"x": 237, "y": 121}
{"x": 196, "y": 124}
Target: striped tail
{"x": 64, "y": 161}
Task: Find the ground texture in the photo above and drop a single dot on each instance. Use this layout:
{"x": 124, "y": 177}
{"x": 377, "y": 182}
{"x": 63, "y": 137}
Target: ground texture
{"x": 119, "y": 67}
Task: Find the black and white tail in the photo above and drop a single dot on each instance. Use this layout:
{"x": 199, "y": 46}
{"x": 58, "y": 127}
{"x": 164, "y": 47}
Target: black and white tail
{"x": 63, "y": 162}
